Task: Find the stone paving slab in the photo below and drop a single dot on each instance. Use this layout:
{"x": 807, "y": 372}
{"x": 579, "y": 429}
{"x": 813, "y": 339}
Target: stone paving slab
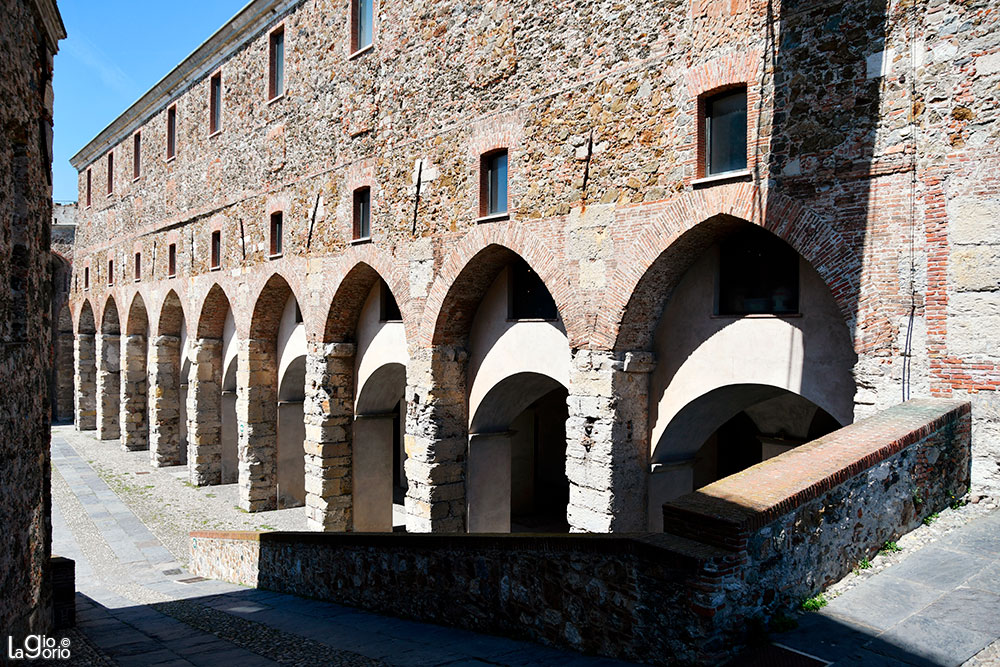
{"x": 133, "y": 613}
{"x": 940, "y": 606}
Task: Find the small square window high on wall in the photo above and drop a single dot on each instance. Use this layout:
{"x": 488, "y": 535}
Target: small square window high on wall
{"x": 172, "y": 260}
{"x": 215, "y": 104}
{"x": 276, "y": 224}
{"x": 493, "y": 183}
{"x": 216, "y": 249}
{"x": 361, "y": 24}
{"x": 111, "y": 172}
{"x": 276, "y": 64}
{"x": 136, "y": 155}
{"x": 362, "y": 213}
{"x": 171, "y": 132}
{"x": 725, "y": 137}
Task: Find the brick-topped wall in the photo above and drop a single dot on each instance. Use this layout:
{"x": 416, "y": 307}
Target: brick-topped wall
{"x": 750, "y": 545}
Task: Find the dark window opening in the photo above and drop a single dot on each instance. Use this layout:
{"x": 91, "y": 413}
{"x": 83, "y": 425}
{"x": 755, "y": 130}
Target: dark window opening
{"x": 362, "y": 213}
{"x": 758, "y": 274}
{"x": 493, "y": 183}
{"x": 528, "y": 299}
{"x": 215, "y": 104}
{"x": 276, "y": 223}
{"x": 171, "y": 132}
{"x": 111, "y": 172}
{"x": 88, "y": 187}
{"x": 86, "y": 277}
{"x": 172, "y": 260}
{"x": 362, "y": 22}
{"x": 216, "y": 249}
{"x": 388, "y": 308}
{"x": 136, "y": 155}
{"x": 726, "y": 132}
{"x": 276, "y": 69}
{"x": 111, "y": 272}
{"x": 138, "y": 266}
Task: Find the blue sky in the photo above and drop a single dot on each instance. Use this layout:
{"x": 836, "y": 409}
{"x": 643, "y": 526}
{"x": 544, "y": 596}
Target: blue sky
{"x": 115, "y": 51}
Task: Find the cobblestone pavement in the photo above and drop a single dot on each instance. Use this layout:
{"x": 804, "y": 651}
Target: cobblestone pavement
{"x": 137, "y": 605}
{"x": 933, "y": 598}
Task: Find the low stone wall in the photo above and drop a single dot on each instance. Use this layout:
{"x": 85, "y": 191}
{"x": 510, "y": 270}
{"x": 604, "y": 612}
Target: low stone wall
{"x": 748, "y": 546}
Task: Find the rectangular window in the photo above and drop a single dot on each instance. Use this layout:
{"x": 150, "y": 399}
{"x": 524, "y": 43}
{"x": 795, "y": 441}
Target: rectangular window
{"x": 528, "y": 298}
{"x": 388, "y": 308}
{"x": 215, "y": 104}
{"x": 362, "y": 213}
{"x": 275, "y": 233}
{"x": 361, "y": 23}
{"x": 111, "y": 172}
{"x": 111, "y": 272}
{"x": 493, "y": 183}
{"x": 172, "y": 260}
{"x": 136, "y": 155}
{"x": 276, "y": 73}
{"x": 138, "y": 266}
{"x": 758, "y": 274}
{"x": 171, "y": 132}
{"x": 88, "y": 187}
{"x": 86, "y": 277}
{"x": 726, "y": 132}
{"x": 216, "y": 249}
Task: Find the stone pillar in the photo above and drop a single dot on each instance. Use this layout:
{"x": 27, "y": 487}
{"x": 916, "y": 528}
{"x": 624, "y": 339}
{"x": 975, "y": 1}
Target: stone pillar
{"x": 108, "y": 386}
{"x": 607, "y": 449}
{"x": 164, "y": 402}
{"x": 134, "y": 429}
{"x": 373, "y": 472}
{"x": 85, "y": 383}
{"x": 488, "y": 482}
{"x": 64, "y": 375}
{"x": 436, "y": 441}
{"x": 204, "y": 420}
{"x": 257, "y": 414}
{"x": 329, "y": 406}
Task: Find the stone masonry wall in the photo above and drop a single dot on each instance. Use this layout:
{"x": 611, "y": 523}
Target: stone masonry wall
{"x": 749, "y": 546}
{"x": 29, "y": 35}
{"x": 872, "y": 144}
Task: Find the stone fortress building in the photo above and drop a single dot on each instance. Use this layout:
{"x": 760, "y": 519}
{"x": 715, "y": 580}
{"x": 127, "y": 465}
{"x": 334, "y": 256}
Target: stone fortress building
{"x": 503, "y": 266}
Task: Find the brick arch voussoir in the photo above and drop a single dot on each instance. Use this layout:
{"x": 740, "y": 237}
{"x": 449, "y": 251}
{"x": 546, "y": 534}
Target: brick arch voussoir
{"x": 338, "y": 324}
{"x": 520, "y": 240}
{"x": 807, "y": 232}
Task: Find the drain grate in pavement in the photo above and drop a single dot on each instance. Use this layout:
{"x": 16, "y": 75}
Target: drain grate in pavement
{"x": 774, "y": 655}
{"x": 192, "y": 580}
{"x": 172, "y": 572}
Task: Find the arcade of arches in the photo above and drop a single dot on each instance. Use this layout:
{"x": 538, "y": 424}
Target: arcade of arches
{"x": 481, "y": 417}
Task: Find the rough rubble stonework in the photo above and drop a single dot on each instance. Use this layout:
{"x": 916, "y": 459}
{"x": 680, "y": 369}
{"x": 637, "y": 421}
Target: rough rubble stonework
{"x": 29, "y": 32}
{"x": 872, "y": 147}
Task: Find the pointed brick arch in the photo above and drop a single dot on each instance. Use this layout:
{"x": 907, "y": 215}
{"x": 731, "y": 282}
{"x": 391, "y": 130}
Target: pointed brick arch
{"x": 471, "y": 268}
{"x": 212, "y": 315}
{"x": 134, "y": 382}
{"x": 85, "y": 322}
{"x": 269, "y": 305}
{"x": 109, "y": 373}
{"x": 137, "y": 320}
{"x": 361, "y": 268}
{"x": 110, "y": 319}
{"x": 647, "y": 271}
{"x": 171, "y": 316}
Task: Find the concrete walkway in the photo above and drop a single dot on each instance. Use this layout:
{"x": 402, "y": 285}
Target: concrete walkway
{"x": 137, "y": 605}
{"x": 938, "y": 606}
